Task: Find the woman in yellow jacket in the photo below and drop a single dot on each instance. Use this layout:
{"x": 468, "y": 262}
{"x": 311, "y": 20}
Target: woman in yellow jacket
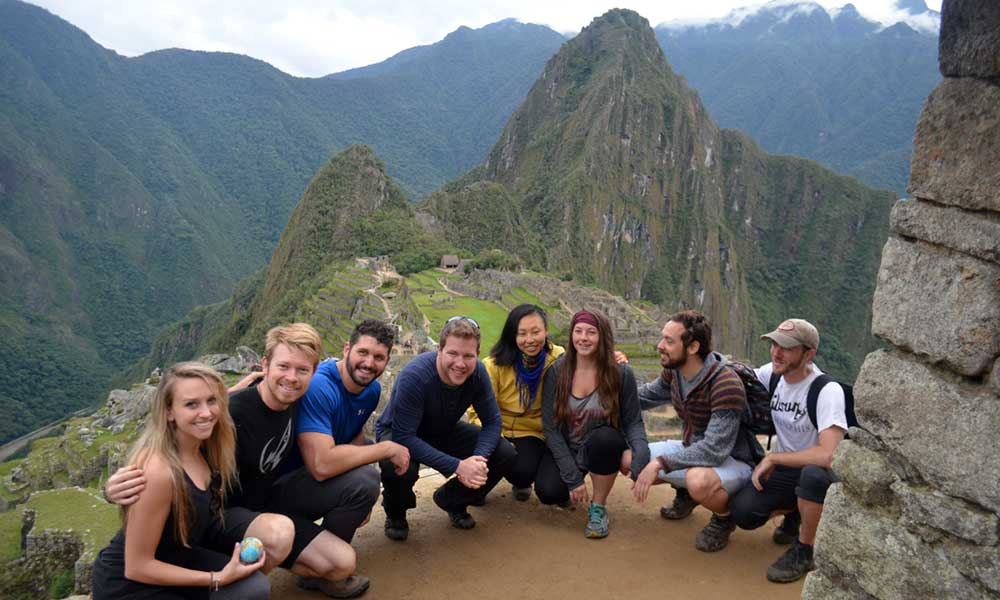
{"x": 517, "y": 364}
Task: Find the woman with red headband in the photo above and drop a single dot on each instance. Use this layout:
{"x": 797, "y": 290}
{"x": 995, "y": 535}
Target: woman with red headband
{"x": 591, "y": 416}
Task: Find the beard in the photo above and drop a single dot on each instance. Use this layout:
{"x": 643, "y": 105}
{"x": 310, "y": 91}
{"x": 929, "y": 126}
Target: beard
{"x": 669, "y": 362}
{"x": 352, "y": 373}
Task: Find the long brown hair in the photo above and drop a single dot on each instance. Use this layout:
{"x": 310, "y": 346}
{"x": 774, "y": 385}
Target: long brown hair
{"x": 608, "y": 376}
{"x": 160, "y": 438}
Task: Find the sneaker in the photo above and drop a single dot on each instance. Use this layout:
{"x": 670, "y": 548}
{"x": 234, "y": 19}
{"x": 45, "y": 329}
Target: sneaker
{"x": 396, "y": 527}
{"x": 715, "y": 535}
{"x": 460, "y": 517}
{"x": 793, "y": 564}
{"x": 521, "y": 494}
{"x": 682, "y": 506}
{"x": 352, "y": 587}
{"x": 788, "y": 531}
{"x": 597, "y": 526}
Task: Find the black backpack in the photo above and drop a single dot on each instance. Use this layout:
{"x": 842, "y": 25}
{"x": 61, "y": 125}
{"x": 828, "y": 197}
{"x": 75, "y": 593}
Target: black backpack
{"x": 812, "y": 397}
{"x": 758, "y": 417}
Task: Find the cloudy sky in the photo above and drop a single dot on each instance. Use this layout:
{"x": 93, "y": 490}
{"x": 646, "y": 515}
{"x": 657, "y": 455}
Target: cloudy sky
{"x": 310, "y": 38}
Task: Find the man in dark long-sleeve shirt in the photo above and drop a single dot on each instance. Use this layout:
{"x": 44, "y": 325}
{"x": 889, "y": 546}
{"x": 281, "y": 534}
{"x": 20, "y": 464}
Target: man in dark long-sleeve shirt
{"x": 716, "y": 455}
{"x": 424, "y": 414}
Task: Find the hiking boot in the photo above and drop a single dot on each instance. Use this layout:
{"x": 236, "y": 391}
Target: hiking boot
{"x": 459, "y": 516}
{"x": 793, "y": 564}
{"x": 788, "y": 531}
{"x": 352, "y": 587}
{"x": 567, "y": 504}
{"x": 597, "y": 526}
{"x": 521, "y": 494}
{"x": 715, "y": 535}
{"x": 682, "y": 506}
{"x": 396, "y": 527}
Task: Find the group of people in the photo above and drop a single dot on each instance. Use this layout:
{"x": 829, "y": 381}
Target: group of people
{"x": 285, "y": 459}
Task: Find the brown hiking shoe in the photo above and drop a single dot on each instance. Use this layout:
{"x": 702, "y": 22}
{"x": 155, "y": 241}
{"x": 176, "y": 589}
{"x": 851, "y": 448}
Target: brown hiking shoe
{"x": 682, "y": 506}
{"x": 715, "y": 535}
{"x": 352, "y": 587}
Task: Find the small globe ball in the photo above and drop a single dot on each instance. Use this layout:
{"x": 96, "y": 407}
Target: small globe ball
{"x": 250, "y": 550}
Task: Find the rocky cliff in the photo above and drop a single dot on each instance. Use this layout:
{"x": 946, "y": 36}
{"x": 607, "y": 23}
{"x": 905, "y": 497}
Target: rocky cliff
{"x": 918, "y": 512}
{"x": 613, "y": 166}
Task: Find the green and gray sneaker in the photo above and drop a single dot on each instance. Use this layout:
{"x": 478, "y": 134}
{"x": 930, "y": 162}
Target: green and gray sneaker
{"x": 597, "y": 526}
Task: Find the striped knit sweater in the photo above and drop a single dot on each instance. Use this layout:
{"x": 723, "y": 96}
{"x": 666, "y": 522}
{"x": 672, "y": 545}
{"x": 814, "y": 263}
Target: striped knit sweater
{"x": 711, "y": 410}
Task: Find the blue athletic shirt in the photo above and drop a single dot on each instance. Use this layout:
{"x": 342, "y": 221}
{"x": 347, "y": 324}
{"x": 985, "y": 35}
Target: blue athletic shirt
{"x": 329, "y": 408}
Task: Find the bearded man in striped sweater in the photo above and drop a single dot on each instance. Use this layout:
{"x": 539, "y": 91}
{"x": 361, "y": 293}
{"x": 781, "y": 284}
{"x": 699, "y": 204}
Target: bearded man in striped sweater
{"x": 717, "y": 452}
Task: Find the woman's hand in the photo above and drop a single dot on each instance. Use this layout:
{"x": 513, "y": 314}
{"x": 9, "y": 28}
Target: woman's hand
{"x": 579, "y": 493}
{"x": 626, "y": 467}
{"x": 235, "y": 570}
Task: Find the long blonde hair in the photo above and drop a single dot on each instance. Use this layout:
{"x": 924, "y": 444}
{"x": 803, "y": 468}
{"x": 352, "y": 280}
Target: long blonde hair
{"x": 160, "y": 438}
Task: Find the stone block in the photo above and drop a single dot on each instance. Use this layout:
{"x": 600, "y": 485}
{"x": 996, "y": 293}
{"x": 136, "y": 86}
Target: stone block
{"x": 995, "y": 377}
{"x": 976, "y": 562}
{"x": 939, "y": 304}
{"x": 957, "y": 146}
{"x": 945, "y": 430}
{"x": 884, "y": 559}
{"x": 820, "y": 587}
{"x": 969, "y": 45}
{"x": 867, "y": 473}
{"x": 957, "y": 517}
{"x": 961, "y": 230}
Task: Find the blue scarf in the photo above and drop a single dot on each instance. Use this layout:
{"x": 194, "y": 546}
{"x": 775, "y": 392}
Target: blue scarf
{"x": 528, "y": 372}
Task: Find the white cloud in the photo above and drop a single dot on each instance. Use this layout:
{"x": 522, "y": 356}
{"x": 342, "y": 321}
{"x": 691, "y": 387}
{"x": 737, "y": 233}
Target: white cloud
{"x": 318, "y": 37}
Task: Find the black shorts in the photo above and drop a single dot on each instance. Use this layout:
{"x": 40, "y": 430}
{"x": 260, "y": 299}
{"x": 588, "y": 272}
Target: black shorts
{"x": 222, "y": 536}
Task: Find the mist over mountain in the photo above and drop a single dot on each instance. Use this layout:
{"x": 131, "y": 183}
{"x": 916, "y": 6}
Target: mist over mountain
{"x": 830, "y": 86}
{"x": 612, "y": 172}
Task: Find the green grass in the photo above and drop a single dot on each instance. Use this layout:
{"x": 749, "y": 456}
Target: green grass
{"x": 10, "y": 535}
{"x": 72, "y": 508}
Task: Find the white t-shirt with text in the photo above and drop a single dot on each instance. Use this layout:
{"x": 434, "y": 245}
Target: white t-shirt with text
{"x": 793, "y": 428}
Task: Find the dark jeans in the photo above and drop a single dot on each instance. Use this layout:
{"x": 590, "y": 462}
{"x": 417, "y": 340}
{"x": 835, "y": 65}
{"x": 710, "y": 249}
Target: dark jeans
{"x": 535, "y": 464}
{"x": 397, "y": 490}
{"x": 343, "y": 501}
{"x": 602, "y": 451}
{"x": 751, "y": 509}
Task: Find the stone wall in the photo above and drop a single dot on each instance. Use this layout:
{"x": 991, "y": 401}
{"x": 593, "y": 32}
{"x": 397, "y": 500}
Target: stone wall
{"x": 916, "y": 514}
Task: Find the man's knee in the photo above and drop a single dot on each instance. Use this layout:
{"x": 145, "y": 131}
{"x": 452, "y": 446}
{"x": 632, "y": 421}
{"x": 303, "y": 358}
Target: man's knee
{"x": 390, "y": 477}
{"x": 814, "y": 481}
{"x": 746, "y": 510}
{"x": 504, "y": 455}
{"x": 276, "y": 532}
{"x": 702, "y": 482}
{"x": 329, "y": 557}
{"x": 365, "y": 484}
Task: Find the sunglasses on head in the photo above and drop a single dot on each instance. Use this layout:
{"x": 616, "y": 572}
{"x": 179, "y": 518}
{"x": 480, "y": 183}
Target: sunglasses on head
{"x": 461, "y": 318}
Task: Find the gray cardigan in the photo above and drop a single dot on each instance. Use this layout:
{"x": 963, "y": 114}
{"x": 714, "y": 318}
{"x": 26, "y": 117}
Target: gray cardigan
{"x": 567, "y": 457}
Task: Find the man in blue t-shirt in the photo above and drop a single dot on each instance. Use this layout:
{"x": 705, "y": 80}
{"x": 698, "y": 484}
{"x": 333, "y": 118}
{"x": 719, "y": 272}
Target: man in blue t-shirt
{"x": 430, "y": 397}
{"x": 336, "y": 481}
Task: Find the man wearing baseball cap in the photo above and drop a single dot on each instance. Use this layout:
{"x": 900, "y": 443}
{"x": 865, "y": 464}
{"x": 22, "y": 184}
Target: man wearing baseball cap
{"x": 794, "y": 478}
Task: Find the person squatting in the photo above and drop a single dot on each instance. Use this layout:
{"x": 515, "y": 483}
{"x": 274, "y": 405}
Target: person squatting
{"x": 283, "y": 456}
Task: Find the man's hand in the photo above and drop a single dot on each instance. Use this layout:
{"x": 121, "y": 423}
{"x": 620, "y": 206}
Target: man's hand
{"x": 247, "y": 381}
{"x": 399, "y": 456}
{"x": 472, "y": 472}
{"x": 621, "y": 358}
{"x": 762, "y": 472}
{"x": 645, "y": 480}
{"x": 626, "y": 467}
{"x": 580, "y": 493}
{"x": 124, "y": 486}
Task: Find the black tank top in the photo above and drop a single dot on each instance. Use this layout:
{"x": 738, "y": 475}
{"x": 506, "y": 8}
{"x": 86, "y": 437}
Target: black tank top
{"x": 109, "y": 569}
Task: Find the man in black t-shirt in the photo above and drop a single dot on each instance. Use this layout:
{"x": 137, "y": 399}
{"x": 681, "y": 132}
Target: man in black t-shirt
{"x": 264, "y": 418}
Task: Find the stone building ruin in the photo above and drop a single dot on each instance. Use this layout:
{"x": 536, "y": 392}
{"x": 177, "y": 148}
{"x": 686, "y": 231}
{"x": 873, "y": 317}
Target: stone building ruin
{"x": 916, "y": 515}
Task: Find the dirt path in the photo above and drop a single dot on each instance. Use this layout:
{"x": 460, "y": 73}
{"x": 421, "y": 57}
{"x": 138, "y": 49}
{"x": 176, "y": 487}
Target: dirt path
{"x": 522, "y": 551}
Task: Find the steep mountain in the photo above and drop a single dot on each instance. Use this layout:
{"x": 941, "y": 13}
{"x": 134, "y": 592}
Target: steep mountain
{"x": 613, "y": 166}
{"x": 830, "y": 86}
{"x": 136, "y": 188}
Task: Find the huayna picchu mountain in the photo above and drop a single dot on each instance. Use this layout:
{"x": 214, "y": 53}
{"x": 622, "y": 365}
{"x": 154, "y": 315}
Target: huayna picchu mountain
{"x": 611, "y": 171}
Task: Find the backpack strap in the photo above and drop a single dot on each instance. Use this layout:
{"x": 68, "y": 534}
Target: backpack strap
{"x": 812, "y": 398}
{"x": 773, "y": 384}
